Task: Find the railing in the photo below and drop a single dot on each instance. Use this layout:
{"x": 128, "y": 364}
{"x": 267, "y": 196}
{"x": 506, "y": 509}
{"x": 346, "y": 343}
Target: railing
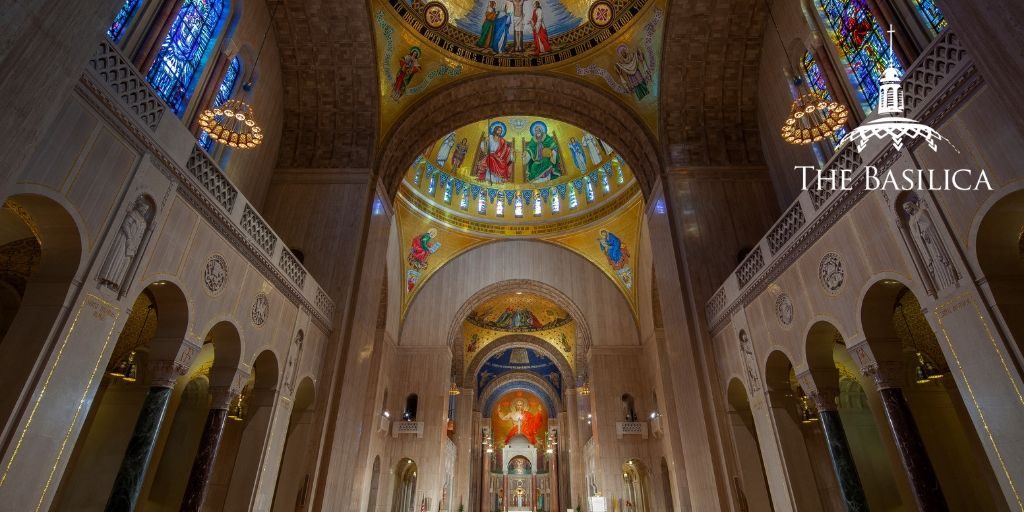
{"x": 407, "y": 427}
{"x": 123, "y": 88}
{"x": 942, "y": 69}
{"x": 631, "y": 428}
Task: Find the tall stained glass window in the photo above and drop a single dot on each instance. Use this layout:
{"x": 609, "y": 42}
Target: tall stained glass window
{"x": 120, "y": 23}
{"x": 862, "y": 44}
{"x": 181, "y": 54}
{"x": 932, "y": 16}
{"x": 816, "y": 83}
{"x": 224, "y": 90}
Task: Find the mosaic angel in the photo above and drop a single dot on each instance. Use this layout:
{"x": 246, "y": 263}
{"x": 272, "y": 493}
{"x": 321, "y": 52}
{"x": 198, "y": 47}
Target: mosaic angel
{"x": 408, "y": 66}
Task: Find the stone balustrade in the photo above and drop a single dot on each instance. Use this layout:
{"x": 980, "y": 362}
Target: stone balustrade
{"x": 934, "y": 85}
{"x": 407, "y": 427}
{"x": 631, "y": 428}
{"x": 120, "y": 86}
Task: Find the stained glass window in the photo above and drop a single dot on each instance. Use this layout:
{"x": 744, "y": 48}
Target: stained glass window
{"x": 816, "y": 83}
{"x": 499, "y": 208}
{"x": 862, "y": 44}
{"x": 556, "y": 205}
{"x": 224, "y": 90}
{"x": 183, "y": 50}
{"x": 537, "y": 204}
{"x": 120, "y": 23}
{"x": 481, "y": 205}
{"x": 573, "y": 202}
{"x": 932, "y": 16}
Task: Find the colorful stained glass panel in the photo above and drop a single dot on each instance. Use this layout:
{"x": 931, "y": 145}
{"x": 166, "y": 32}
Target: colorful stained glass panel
{"x": 184, "y": 50}
{"x": 932, "y": 16}
{"x": 124, "y": 15}
{"x": 861, "y": 42}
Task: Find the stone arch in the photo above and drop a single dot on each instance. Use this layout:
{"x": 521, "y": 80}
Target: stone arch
{"x": 519, "y": 341}
{"x": 488, "y": 394}
{"x": 227, "y": 345}
{"x": 559, "y": 97}
{"x": 583, "y": 338}
{"x": 776, "y": 370}
{"x": 248, "y": 450}
{"x": 45, "y": 286}
{"x": 997, "y": 250}
{"x": 818, "y": 343}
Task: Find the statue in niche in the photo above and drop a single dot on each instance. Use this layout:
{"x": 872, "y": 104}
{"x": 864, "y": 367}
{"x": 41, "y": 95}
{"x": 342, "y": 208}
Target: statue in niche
{"x": 292, "y": 364}
{"x": 749, "y": 362}
{"x": 127, "y": 245}
{"x": 929, "y": 246}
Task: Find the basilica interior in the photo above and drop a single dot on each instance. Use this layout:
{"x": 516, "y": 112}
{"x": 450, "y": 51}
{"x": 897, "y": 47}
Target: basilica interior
{"x": 511, "y": 255}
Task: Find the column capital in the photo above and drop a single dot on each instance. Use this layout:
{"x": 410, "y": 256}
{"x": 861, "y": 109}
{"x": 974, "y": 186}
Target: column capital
{"x": 171, "y": 359}
{"x": 822, "y": 386}
{"x": 887, "y": 375}
{"x": 223, "y": 394}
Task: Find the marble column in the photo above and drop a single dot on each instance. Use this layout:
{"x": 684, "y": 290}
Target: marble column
{"x": 202, "y": 466}
{"x": 839, "y": 450}
{"x": 128, "y": 483}
{"x": 918, "y": 467}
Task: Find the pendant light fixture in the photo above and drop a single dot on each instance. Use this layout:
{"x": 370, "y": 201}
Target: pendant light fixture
{"x": 237, "y": 410}
{"x": 925, "y": 371}
{"x": 808, "y": 413}
{"x": 233, "y": 122}
{"x": 127, "y": 369}
{"x": 811, "y": 118}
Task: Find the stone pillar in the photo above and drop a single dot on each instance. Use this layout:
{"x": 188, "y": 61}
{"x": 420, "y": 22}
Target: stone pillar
{"x": 822, "y": 386}
{"x": 748, "y": 463}
{"x": 165, "y": 373}
{"x": 202, "y": 467}
{"x": 466, "y": 431}
{"x": 802, "y": 489}
{"x": 882, "y": 360}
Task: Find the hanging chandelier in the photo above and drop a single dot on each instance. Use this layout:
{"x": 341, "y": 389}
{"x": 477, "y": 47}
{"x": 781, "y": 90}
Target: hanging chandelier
{"x": 812, "y": 118}
{"x": 808, "y": 413}
{"x": 233, "y": 122}
{"x": 237, "y": 410}
{"x": 454, "y": 390}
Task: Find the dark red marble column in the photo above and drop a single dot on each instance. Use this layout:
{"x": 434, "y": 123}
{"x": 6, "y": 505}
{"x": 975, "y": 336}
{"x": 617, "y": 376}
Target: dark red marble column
{"x": 202, "y": 467}
{"x": 916, "y": 464}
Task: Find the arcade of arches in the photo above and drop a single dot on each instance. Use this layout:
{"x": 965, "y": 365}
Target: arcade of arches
{"x": 508, "y": 256}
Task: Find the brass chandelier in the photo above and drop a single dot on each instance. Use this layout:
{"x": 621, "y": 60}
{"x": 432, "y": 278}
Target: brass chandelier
{"x": 233, "y": 122}
{"x": 812, "y": 118}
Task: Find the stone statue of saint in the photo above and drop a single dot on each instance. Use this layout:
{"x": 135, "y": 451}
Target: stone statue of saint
{"x": 126, "y": 247}
{"x": 929, "y": 246}
{"x": 748, "y": 361}
{"x": 292, "y": 364}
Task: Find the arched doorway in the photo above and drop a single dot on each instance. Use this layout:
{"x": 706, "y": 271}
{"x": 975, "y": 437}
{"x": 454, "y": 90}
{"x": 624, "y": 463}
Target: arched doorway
{"x": 214, "y": 368}
{"x": 1000, "y": 250}
{"x": 754, "y": 489}
{"x": 292, "y": 479}
{"x": 404, "y": 495}
{"x": 374, "y": 483}
{"x": 807, "y": 466}
{"x": 160, "y": 312}
{"x": 245, "y": 439}
{"x": 634, "y": 480}
{"x": 832, "y": 371}
{"x": 42, "y": 250}
{"x": 897, "y": 331}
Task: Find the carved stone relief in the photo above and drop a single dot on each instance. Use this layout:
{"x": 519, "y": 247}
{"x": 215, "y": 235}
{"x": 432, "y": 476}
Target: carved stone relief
{"x": 215, "y": 275}
{"x": 784, "y": 309}
{"x": 929, "y": 249}
{"x": 831, "y": 273}
{"x": 291, "y": 368}
{"x": 260, "y": 310}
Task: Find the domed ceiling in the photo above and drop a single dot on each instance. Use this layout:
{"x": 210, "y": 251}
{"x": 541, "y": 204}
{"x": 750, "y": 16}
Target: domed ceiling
{"x": 518, "y": 176}
{"x": 519, "y": 313}
{"x": 422, "y": 46}
{"x": 517, "y": 33}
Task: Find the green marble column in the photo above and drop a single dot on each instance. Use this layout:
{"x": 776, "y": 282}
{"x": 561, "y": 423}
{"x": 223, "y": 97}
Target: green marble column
{"x": 842, "y": 461}
{"x": 128, "y": 483}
